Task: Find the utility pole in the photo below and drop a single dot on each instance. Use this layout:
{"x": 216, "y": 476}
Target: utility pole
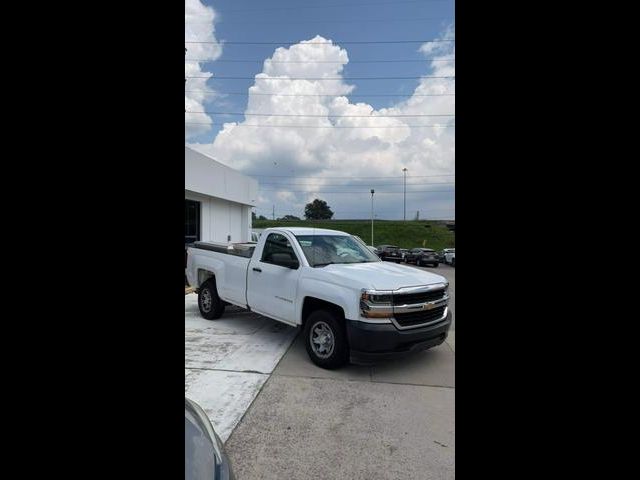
{"x": 372, "y": 192}
{"x": 404, "y": 170}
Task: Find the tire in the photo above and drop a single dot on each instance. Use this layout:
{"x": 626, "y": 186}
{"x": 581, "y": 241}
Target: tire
{"x": 453, "y": 262}
{"x": 209, "y": 303}
{"x": 336, "y": 348}
{"x": 418, "y": 263}
{"x": 435, "y": 265}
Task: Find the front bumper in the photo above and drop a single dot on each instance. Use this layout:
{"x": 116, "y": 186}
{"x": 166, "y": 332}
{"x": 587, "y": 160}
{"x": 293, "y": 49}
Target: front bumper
{"x": 370, "y": 342}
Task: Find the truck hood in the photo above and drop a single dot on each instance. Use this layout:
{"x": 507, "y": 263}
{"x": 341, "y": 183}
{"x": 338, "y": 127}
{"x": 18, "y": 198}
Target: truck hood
{"x": 380, "y": 275}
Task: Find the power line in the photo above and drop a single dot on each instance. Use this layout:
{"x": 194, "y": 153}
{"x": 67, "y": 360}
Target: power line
{"x": 271, "y": 94}
{"x": 330, "y": 5}
{"x": 367, "y": 192}
{"x": 359, "y": 21}
{"x": 387, "y": 212}
{"x": 332, "y": 42}
{"x": 356, "y": 176}
{"x": 321, "y": 116}
{"x": 383, "y": 210}
{"x": 286, "y": 184}
{"x": 320, "y": 78}
{"x": 428, "y": 59}
{"x": 323, "y": 126}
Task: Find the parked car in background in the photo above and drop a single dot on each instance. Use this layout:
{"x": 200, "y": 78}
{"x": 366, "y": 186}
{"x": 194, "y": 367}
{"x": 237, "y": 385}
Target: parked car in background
{"x": 404, "y": 252}
{"x": 390, "y": 253}
{"x": 370, "y": 247}
{"x": 423, "y": 256}
{"x": 448, "y": 256}
{"x": 204, "y": 456}
{"x": 442, "y": 253}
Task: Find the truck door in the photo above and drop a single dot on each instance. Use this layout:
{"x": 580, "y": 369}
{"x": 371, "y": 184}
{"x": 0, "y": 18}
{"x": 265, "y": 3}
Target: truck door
{"x": 272, "y": 279}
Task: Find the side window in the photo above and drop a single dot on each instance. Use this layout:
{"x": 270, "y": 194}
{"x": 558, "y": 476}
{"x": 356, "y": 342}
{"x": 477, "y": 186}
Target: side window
{"x": 278, "y": 250}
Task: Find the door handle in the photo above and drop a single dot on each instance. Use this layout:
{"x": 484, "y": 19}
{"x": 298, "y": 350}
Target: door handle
{"x": 256, "y": 269}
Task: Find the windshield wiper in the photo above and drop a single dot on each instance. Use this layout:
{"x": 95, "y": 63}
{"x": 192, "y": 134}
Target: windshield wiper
{"x": 342, "y": 263}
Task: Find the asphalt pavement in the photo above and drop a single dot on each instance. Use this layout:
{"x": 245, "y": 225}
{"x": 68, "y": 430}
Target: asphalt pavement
{"x": 395, "y": 420}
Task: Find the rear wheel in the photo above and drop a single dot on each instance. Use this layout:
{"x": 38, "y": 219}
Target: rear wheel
{"x": 210, "y": 305}
{"x": 326, "y": 339}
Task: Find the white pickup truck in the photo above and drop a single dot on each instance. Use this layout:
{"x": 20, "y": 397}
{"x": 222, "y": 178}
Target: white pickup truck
{"x": 350, "y": 304}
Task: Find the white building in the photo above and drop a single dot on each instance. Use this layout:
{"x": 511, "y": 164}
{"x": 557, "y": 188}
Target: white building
{"x": 218, "y": 200}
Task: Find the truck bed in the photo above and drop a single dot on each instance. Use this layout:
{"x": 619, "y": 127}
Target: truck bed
{"x": 230, "y": 264}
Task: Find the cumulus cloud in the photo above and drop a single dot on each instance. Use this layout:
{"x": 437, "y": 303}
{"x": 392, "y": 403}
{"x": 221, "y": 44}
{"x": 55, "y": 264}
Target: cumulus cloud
{"x": 328, "y": 149}
{"x": 200, "y": 27}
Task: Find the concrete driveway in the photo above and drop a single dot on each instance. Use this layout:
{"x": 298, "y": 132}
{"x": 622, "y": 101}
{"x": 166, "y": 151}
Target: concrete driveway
{"x": 227, "y": 361}
{"x": 391, "y": 421}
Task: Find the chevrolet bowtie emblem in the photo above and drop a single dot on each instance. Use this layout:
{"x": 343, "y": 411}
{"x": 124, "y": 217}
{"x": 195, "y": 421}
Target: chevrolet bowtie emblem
{"x": 428, "y": 306}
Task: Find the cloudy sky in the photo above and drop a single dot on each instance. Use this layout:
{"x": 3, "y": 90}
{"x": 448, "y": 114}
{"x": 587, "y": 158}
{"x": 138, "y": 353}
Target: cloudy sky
{"x": 312, "y": 111}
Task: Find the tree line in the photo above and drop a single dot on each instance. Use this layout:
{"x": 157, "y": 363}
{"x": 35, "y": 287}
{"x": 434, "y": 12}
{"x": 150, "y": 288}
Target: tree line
{"x": 316, "y": 210}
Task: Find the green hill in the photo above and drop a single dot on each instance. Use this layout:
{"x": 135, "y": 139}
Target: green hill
{"x": 409, "y": 234}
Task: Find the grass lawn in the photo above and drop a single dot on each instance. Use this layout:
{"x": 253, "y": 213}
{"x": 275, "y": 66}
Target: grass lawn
{"x": 409, "y": 234}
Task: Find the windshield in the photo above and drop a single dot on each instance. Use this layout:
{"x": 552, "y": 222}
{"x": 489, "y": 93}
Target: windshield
{"x": 327, "y": 249}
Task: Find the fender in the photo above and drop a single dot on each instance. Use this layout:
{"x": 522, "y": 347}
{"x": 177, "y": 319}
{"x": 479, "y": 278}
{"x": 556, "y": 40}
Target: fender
{"x": 216, "y": 267}
{"x": 346, "y": 298}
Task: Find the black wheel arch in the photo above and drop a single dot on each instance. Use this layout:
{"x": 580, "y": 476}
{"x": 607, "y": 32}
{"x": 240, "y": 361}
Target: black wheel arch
{"x": 311, "y": 304}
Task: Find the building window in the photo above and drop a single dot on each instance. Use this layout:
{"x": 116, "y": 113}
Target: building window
{"x": 191, "y": 221}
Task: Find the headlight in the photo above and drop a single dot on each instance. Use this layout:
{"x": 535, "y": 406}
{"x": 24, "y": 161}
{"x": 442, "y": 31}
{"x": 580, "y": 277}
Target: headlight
{"x": 376, "y": 304}
{"x": 375, "y": 297}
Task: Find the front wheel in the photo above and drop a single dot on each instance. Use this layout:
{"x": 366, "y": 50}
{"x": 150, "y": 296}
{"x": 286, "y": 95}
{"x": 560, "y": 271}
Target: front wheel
{"x": 326, "y": 339}
{"x": 210, "y": 305}
{"x": 435, "y": 265}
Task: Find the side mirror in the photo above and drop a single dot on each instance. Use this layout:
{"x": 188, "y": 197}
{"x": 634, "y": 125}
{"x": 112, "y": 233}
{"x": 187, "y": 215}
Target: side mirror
{"x": 285, "y": 260}
{"x": 293, "y": 264}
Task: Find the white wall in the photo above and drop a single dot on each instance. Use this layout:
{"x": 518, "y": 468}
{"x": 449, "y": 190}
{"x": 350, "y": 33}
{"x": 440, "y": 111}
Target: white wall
{"x": 204, "y": 175}
{"x": 225, "y": 195}
{"x": 219, "y": 218}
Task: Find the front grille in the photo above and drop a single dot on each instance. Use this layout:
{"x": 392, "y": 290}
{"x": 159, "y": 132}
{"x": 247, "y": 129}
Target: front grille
{"x": 417, "y": 318}
{"x": 421, "y": 297}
